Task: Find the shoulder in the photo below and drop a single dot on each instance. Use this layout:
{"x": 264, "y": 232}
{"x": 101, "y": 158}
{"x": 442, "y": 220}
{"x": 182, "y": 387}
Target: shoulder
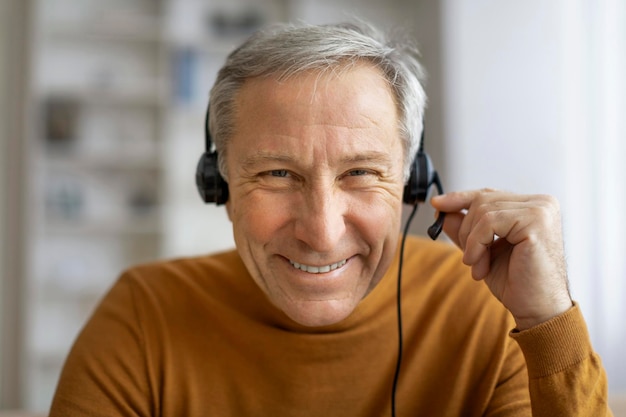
{"x": 199, "y": 270}
{"x": 176, "y": 283}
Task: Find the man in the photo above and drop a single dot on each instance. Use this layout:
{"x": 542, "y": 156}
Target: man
{"x": 316, "y": 128}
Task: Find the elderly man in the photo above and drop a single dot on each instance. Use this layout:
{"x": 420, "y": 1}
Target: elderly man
{"x": 317, "y": 131}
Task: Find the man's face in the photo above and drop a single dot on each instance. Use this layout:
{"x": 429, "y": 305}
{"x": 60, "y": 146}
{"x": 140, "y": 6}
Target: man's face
{"x": 315, "y": 179}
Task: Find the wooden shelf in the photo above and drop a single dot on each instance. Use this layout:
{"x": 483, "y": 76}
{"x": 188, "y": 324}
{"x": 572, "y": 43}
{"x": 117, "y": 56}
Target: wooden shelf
{"x": 139, "y": 225}
{"x": 129, "y": 92}
{"x": 118, "y": 29}
{"x": 122, "y": 163}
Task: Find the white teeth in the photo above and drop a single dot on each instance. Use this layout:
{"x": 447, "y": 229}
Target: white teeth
{"x": 318, "y": 269}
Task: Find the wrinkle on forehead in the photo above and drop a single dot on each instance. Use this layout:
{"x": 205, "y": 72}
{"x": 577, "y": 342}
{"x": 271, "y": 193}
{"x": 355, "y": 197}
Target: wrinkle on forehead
{"x": 319, "y": 106}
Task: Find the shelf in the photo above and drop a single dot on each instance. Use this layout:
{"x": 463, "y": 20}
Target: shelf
{"x": 130, "y": 92}
{"x": 122, "y": 162}
{"x": 140, "y": 225}
{"x": 118, "y": 29}
{"x": 100, "y": 88}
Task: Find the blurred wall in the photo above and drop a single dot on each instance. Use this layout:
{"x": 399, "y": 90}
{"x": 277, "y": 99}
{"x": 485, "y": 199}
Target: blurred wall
{"x": 503, "y": 65}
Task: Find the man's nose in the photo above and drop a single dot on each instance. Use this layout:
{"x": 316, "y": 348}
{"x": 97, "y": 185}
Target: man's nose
{"x": 321, "y": 222}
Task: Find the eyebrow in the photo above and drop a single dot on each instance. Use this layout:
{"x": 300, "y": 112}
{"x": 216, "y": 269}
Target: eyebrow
{"x": 376, "y": 157}
{"x": 263, "y": 157}
{"x": 370, "y": 156}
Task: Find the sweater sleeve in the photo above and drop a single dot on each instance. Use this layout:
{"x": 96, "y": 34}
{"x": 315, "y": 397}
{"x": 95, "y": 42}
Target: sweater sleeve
{"x": 566, "y": 377}
{"x": 104, "y": 374}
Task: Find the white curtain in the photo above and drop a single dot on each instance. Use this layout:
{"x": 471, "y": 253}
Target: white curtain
{"x": 595, "y": 147}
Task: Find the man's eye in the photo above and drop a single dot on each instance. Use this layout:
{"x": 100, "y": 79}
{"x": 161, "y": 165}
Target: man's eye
{"x": 281, "y": 173}
{"x": 358, "y": 172}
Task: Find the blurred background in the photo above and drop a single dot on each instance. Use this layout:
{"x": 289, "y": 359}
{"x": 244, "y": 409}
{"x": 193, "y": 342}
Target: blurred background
{"x": 101, "y": 126}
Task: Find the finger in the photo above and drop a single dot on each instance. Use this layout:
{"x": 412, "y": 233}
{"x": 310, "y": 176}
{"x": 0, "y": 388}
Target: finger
{"x": 481, "y": 268}
{"x": 464, "y": 202}
{"x": 452, "y": 223}
{"x": 453, "y": 201}
{"x": 492, "y": 225}
{"x": 477, "y": 252}
{"x": 489, "y": 215}
{"x": 451, "y": 226}
{"x": 459, "y": 219}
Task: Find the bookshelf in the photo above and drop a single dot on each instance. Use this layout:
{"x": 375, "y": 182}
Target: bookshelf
{"x": 99, "y": 96}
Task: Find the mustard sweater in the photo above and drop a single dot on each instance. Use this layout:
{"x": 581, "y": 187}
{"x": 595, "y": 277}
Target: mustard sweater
{"x": 197, "y": 337}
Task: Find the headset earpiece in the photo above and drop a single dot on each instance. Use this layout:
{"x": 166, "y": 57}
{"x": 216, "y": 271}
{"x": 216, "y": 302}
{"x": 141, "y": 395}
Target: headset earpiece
{"x": 210, "y": 183}
{"x": 421, "y": 178}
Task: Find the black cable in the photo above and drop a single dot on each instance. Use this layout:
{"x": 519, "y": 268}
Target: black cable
{"x": 399, "y": 312}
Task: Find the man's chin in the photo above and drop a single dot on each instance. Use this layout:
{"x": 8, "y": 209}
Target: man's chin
{"x": 319, "y": 313}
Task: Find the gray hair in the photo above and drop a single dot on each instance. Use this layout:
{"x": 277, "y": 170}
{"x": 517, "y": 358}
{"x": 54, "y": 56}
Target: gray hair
{"x": 285, "y": 50}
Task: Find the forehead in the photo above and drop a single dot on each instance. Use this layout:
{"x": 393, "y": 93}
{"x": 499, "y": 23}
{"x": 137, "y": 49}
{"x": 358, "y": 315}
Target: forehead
{"x": 350, "y": 95}
{"x": 317, "y": 119}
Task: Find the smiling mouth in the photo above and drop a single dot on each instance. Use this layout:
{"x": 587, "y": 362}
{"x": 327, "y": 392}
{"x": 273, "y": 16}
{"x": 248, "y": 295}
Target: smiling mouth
{"x": 318, "y": 269}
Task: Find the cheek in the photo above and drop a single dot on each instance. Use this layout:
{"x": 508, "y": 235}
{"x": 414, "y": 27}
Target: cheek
{"x": 379, "y": 224}
{"x": 257, "y": 219}
{"x": 379, "y": 215}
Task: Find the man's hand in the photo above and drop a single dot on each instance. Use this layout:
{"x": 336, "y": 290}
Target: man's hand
{"x": 513, "y": 242}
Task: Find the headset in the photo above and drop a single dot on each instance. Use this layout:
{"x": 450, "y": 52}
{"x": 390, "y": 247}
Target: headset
{"x": 210, "y": 183}
{"x": 214, "y": 189}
